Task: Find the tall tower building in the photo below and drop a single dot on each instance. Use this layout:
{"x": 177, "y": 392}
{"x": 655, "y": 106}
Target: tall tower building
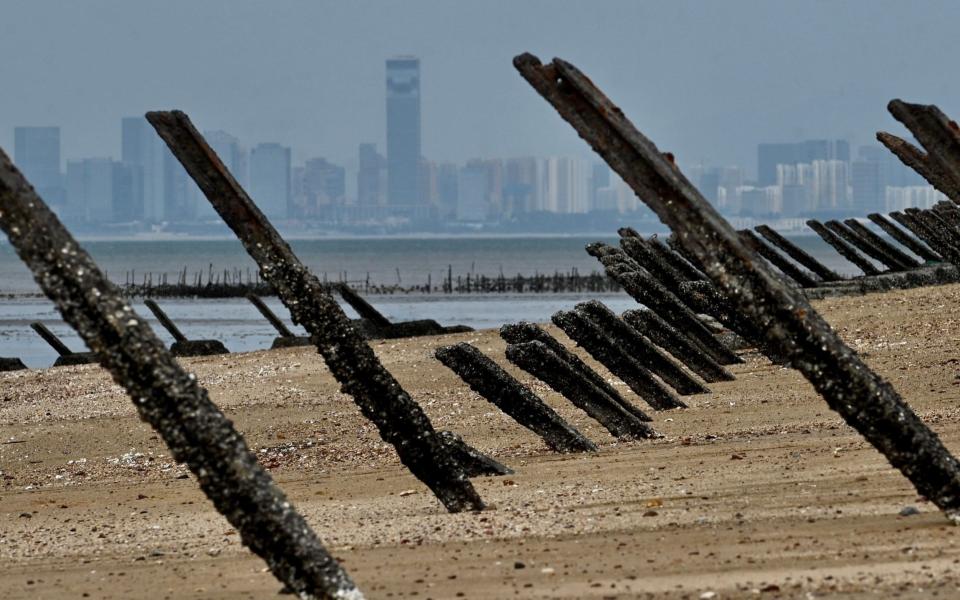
{"x": 403, "y": 133}
{"x": 142, "y": 148}
{"x": 36, "y": 152}
{"x": 270, "y": 179}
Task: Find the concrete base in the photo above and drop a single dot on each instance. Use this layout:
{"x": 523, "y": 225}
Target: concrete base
{"x": 77, "y": 358}
{"x": 198, "y": 348}
{"x": 11, "y": 364}
{"x": 291, "y": 342}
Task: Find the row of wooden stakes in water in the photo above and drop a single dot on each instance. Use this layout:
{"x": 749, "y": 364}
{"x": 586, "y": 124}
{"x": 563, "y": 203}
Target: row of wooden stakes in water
{"x": 234, "y": 285}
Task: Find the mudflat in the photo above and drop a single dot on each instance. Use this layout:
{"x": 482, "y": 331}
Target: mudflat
{"x": 756, "y": 490}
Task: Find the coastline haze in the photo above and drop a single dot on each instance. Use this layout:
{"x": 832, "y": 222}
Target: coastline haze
{"x": 706, "y": 80}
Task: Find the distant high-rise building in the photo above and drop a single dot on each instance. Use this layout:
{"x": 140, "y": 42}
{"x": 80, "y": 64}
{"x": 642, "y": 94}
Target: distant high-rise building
{"x": 270, "y": 179}
{"x": 599, "y": 179}
{"x": 831, "y": 181}
{"x": 717, "y": 183}
{"x": 448, "y": 190}
{"x": 320, "y": 189}
{"x": 797, "y": 189}
{"x": 521, "y": 185}
{"x": 867, "y": 187}
{"x": 915, "y": 196}
{"x": 90, "y": 190}
{"x": 473, "y": 200}
{"x": 427, "y": 185}
{"x": 566, "y": 188}
{"x": 709, "y": 185}
{"x": 493, "y": 167}
{"x": 403, "y": 133}
{"x": 760, "y": 201}
{"x": 127, "y": 192}
{"x": 142, "y": 147}
{"x": 771, "y": 155}
{"x": 36, "y": 152}
{"x": 180, "y": 193}
{"x": 371, "y": 177}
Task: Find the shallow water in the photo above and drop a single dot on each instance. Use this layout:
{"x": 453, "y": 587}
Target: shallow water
{"x": 237, "y": 324}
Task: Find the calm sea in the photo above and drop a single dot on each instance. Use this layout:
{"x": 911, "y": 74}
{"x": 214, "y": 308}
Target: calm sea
{"x": 240, "y": 327}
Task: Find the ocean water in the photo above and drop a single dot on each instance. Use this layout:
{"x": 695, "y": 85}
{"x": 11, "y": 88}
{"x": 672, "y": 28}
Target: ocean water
{"x": 240, "y": 326}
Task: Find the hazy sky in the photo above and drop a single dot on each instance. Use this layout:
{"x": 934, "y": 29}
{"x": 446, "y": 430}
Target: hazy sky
{"x": 707, "y": 80}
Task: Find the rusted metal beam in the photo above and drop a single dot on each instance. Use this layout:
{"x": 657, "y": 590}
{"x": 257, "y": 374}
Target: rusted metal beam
{"x": 400, "y": 421}
{"x": 50, "y": 338}
{"x": 864, "y": 400}
{"x": 522, "y": 332}
{"x": 855, "y": 239}
{"x": 641, "y": 349}
{"x": 940, "y": 138}
{"x": 592, "y": 339}
{"x": 935, "y": 223}
{"x": 183, "y": 347}
{"x": 931, "y": 237}
{"x": 945, "y": 217}
{"x": 637, "y": 248}
{"x": 488, "y": 379}
{"x": 949, "y": 212}
{"x": 846, "y": 250}
{"x": 65, "y": 356}
{"x": 786, "y": 267}
{"x": 270, "y": 316}
{"x": 797, "y": 253}
{"x": 674, "y": 244}
{"x": 475, "y": 463}
{"x": 927, "y": 275}
{"x": 541, "y": 362}
{"x": 683, "y": 348}
{"x": 643, "y": 263}
{"x": 646, "y": 290}
{"x": 919, "y": 161}
{"x": 286, "y": 339}
{"x": 167, "y": 397}
{"x": 379, "y": 326}
{"x": 888, "y": 249}
{"x": 694, "y": 296}
{"x": 164, "y": 320}
{"x": 705, "y": 298}
{"x": 691, "y": 272}
{"x": 363, "y": 308}
{"x": 912, "y": 243}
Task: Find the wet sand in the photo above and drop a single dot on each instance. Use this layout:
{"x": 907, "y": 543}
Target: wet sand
{"x": 756, "y": 490}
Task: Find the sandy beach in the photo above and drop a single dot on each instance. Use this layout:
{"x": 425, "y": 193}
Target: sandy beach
{"x": 756, "y": 490}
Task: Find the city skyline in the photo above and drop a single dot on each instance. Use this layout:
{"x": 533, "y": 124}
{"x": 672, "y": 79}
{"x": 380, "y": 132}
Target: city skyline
{"x": 310, "y": 74}
{"x": 799, "y": 179}
{"x": 794, "y": 179}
